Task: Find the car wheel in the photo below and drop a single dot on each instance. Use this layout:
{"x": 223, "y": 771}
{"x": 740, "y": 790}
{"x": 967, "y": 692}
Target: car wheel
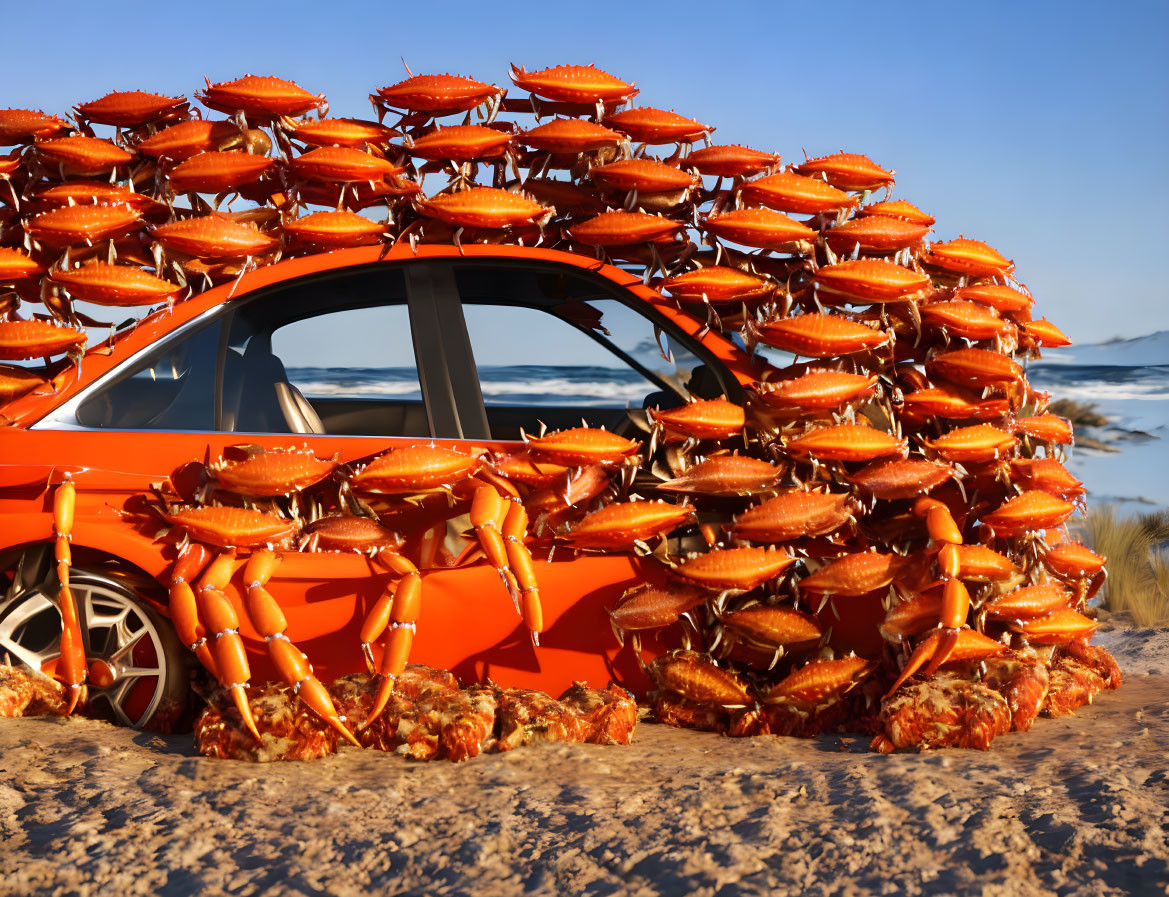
{"x": 139, "y": 673}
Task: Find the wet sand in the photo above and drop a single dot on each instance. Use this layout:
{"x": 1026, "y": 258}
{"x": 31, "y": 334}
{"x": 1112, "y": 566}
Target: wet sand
{"x": 1077, "y": 806}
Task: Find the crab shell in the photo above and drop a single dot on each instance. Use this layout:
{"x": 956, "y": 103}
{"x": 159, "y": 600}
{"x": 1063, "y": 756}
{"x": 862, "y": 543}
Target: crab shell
{"x": 342, "y": 164}
{"x": 25, "y": 340}
{"x": 726, "y": 475}
{"x": 970, "y": 320}
{"x": 965, "y": 256}
{"x": 820, "y": 681}
{"x": 1058, "y": 628}
{"x": 84, "y": 155}
{"x": 74, "y": 225}
{"x": 570, "y": 135}
{"x": 218, "y": 172}
{"x": 952, "y": 403}
{"x": 899, "y": 208}
{"x": 877, "y": 233}
{"x": 793, "y": 515}
{"x": 730, "y": 161}
{"x": 980, "y": 442}
{"x": 231, "y": 527}
{"x": 999, "y": 297}
{"x": 488, "y": 207}
{"x": 25, "y": 125}
{"x": 349, "y": 533}
{"x": 413, "y": 469}
{"x": 652, "y": 607}
{"x": 735, "y": 568}
{"x": 189, "y": 138}
{"x": 351, "y": 132}
{"x": 820, "y": 335}
{"x": 871, "y": 280}
{"x": 270, "y": 473}
{"x": 1028, "y": 602}
{"x": 214, "y": 237}
{"x": 642, "y": 175}
{"x": 709, "y": 419}
{"x": 645, "y": 124}
{"x": 1046, "y": 428}
{"x": 1072, "y": 560}
{"x": 437, "y": 94}
{"x": 16, "y": 265}
{"x": 855, "y": 574}
{"x": 259, "y": 95}
{"x": 335, "y": 230}
{"x": 461, "y": 143}
{"x": 817, "y": 390}
{"x": 130, "y": 108}
{"x": 761, "y": 228}
{"x": 848, "y": 171}
{"x": 1032, "y": 510}
{"x": 696, "y": 679}
{"x": 719, "y": 285}
{"x": 901, "y": 478}
{"x": 977, "y": 367}
{"x": 846, "y": 442}
{"x": 622, "y": 524}
{"x": 790, "y": 192}
{"x": 573, "y": 84}
{"x": 1046, "y": 475}
{"x": 114, "y": 285}
{"x": 582, "y": 445}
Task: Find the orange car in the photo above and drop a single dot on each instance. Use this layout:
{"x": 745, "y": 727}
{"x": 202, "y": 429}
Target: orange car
{"x": 347, "y": 353}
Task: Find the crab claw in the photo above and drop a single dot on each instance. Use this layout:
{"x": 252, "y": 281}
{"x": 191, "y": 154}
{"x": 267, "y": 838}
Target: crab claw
{"x": 968, "y": 645}
{"x": 955, "y": 608}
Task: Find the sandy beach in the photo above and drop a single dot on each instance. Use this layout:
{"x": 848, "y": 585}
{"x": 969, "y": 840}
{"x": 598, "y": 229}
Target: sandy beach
{"x": 1077, "y": 806}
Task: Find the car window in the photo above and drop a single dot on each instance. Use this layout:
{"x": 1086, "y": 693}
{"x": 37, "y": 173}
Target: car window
{"x": 172, "y": 388}
{"x": 334, "y": 356}
{"x": 553, "y": 347}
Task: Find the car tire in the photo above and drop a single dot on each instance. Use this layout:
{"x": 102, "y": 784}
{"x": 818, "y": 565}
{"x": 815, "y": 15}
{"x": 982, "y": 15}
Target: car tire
{"x": 139, "y": 672}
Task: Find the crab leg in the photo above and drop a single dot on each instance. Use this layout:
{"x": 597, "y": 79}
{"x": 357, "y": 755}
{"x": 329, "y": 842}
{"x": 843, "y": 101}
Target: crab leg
{"x": 398, "y": 610}
{"x": 488, "y": 511}
{"x": 515, "y": 527}
{"x": 403, "y": 620}
{"x": 72, "y": 647}
{"x": 222, "y": 622}
{"x": 184, "y": 611}
{"x": 268, "y": 619}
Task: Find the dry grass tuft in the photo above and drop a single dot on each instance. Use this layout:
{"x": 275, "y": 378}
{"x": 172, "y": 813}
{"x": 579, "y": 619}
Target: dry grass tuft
{"x": 1081, "y": 414}
{"x": 1138, "y": 569}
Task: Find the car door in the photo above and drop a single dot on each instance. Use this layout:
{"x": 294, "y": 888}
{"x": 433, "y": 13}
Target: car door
{"x": 555, "y": 345}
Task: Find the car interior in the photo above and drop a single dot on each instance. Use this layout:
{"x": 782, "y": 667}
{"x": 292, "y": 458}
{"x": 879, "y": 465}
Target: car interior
{"x": 552, "y": 346}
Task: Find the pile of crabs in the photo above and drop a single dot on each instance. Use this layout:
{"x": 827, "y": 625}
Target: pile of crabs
{"x": 905, "y": 465}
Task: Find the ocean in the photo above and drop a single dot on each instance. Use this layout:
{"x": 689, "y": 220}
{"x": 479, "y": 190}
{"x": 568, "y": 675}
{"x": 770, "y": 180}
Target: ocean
{"x": 1127, "y": 382}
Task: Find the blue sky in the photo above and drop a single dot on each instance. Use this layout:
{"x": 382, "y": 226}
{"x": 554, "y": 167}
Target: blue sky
{"x": 1042, "y": 128}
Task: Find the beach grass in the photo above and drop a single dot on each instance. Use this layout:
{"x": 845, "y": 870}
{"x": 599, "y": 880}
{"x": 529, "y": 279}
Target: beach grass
{"x": 1081, "y": 414}
{"x": 1138, "y": 568}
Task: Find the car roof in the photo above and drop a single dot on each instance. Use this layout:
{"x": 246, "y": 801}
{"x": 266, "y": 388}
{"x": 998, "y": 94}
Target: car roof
{"x": 104, "y": 357}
